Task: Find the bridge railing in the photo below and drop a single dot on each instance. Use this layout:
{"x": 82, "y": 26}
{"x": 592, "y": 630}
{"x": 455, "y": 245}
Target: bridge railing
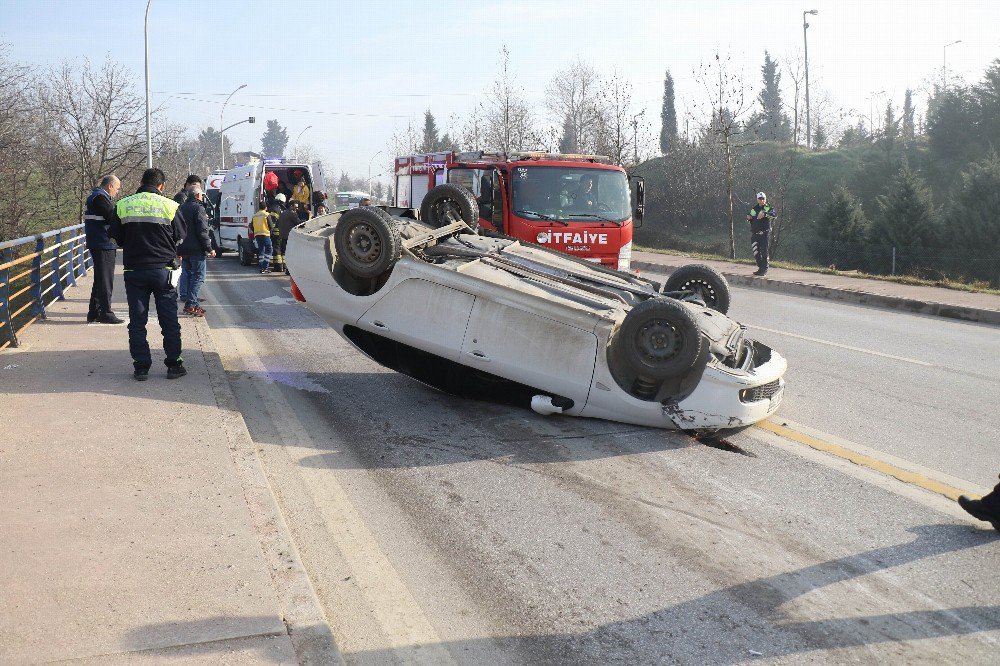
{"x": 35, "y": 271}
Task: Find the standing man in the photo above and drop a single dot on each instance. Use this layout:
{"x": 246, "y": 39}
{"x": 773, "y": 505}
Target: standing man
{"x": 194, "y": 249}
{"x": 760, "y": 217}
{"x": 96, "y": 217}
{"x": 149, "y": 229}
{"x": 262, "y": 237}
{"x": 286, "y": 222}
{"x": 185, "y": 192}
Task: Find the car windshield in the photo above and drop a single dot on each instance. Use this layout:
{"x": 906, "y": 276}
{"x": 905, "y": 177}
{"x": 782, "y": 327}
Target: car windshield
{"x": 570, "y": 194}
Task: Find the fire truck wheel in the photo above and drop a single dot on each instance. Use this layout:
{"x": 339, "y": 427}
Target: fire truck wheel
{"x": 708, "y": 283}
{"x": 659, "y": 340}
{"x": 449, "y": 203}
{"x": 367, "y": 242}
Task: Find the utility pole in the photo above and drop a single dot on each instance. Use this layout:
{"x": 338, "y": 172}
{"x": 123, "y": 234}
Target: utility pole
{"x": 149, "y": 133}
{"x": 805, "y": 43}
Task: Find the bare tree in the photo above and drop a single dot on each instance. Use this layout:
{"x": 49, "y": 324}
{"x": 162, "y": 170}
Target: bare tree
{"x": 728, "y": 101}
{"x": 572, "y": 97}
{"x": 794, "y": 69}
{"x": 622, "y": 127}
{"x": 16, "y": 150}
{"x": 509, "y": 122}
{"x": 99, "y": 116}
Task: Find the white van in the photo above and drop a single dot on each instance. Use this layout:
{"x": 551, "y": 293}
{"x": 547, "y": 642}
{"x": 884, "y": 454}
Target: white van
{"x": 242, "y": 195}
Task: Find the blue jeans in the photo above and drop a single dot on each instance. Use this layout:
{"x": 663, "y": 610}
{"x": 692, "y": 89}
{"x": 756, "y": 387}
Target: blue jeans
{"x": 140, "y": 284}
{"x": 192, "y": 277}
{"x": 263, "y": 251}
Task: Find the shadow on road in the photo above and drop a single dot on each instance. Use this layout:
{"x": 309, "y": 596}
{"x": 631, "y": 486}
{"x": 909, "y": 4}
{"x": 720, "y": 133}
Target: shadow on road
{"x": 677, "y": 634}
{"x": 212, "y": 637}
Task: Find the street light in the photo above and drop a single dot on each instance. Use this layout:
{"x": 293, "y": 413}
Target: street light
{"x": 805, "y": 43}
{"x": 222, "y": 134}
{"x": 149, "y": 134}
{"x": 370, "y": 171}
{"x": 944, "y": 62}
{"x": 295, "y": 148}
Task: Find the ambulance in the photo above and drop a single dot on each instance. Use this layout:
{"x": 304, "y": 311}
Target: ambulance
{"x": 578, "y": 204}
{"x": 244, "y": 191}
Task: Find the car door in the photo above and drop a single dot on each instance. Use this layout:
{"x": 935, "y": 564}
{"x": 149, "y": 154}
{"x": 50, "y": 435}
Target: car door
{"x": 530, "y": 348}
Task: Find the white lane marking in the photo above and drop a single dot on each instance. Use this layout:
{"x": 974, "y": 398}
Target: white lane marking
{"x": 277, "y": 300}
{"x": 837, "y": 344}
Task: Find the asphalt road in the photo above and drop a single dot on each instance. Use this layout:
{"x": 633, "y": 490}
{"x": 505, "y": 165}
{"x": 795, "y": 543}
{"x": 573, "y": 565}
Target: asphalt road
{"x": 441, "y": 530}
{"x": 920, "y": 388}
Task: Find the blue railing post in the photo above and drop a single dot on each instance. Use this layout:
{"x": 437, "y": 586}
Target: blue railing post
{"x": 38, "y": 306}
{"x": 57, "y": 252}
{"x": 6, "y": 256}
{"x": 71, "y": 274}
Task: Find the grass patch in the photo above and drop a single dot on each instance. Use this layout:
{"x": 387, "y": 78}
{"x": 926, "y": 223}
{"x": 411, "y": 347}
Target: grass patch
{"x": 976, "y": 287}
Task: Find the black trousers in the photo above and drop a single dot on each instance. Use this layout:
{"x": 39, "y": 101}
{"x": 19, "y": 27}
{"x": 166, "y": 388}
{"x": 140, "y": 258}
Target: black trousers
{"x": 758, "y": 243}
{"x": 104, "y": 275}
{"x": 139, "y": 286}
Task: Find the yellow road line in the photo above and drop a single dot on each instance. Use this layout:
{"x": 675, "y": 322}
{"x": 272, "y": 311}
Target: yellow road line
{"x": 903, "y": 475}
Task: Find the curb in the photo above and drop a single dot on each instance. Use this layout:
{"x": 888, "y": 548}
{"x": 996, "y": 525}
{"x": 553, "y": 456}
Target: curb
{"x": 959, "y": 312}
{"x": 301, "y": 611}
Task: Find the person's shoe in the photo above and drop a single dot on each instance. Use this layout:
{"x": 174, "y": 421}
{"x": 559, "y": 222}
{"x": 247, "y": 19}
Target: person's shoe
{"x": 175, "y": 371}
{"x": 759, "y": 273}
{"x": 980, "y": 511}
{"x": 194, "y": 311}
{"x": 140, "y": 374}
{"x": 91, "y": 317}
{"x": 109, "y": 318}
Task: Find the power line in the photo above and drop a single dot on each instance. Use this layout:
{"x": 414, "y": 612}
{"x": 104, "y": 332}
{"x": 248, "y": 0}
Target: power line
{"x": 184, "y": 96}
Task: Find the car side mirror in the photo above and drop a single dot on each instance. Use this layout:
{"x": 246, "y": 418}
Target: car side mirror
{"x": 640, "y": 200}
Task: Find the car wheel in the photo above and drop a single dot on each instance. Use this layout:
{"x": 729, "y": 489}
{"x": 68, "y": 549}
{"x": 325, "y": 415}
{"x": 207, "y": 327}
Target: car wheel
{"x": 659, "y": 340}
{"x": 246, "y": 256}
{"x": 703, "y": 280}
{"x": 448, "y": 203}
{"x": 367, "y": 242}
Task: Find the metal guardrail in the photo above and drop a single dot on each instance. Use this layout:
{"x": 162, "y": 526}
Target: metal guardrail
{"x": 35, "y": 271}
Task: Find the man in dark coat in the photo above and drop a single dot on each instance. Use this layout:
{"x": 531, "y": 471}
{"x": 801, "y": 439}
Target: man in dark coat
{"x": 193, "y": 250}
{"x": 760, "y": 217}
{"x": 103, "y": 250}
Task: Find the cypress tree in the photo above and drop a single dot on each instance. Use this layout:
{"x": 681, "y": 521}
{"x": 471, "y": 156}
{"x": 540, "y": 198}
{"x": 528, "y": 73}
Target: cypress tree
{"x": 668, "y": 117}
{"x": 774, "y": 125}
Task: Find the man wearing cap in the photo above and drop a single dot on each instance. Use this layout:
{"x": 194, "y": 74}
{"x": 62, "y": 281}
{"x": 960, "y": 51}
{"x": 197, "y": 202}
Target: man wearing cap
{"x": 760, "y": 217}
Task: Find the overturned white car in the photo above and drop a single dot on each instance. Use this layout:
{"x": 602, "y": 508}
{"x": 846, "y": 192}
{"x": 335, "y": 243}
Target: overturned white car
{"x": 497, "y": 319}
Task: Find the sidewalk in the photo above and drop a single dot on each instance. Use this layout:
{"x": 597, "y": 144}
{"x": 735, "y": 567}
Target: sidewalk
{"x": 937, "y": 301}
{"x": 130, "y": 527}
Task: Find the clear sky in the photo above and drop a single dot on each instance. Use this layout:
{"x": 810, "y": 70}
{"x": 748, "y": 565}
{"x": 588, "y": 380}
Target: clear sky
{"x": 359, "y": 71}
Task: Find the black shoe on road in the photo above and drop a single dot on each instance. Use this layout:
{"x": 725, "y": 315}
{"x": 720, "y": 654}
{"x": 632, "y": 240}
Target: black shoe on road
{"x": 140, "y": 374}
{"x": 110, "y": 318}
{"x": 759, "y": 273}
{"x": 980, "y": 511}
{"x": 91, "y": 317}
{"x": 176, "y": 371}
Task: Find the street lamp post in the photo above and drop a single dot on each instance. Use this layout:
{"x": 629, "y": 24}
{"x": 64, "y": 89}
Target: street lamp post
{"x": 370, "y": 171}
{"x": 295, "y": 148}
{"x": 222, "y": 133}
{"x": 149, "y": 133}
{"x": 805, "y": 43}
{"x": 944, "y": 62}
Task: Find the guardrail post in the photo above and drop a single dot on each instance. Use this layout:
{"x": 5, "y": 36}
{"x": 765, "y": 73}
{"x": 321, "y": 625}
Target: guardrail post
{"x": 38, "y": 307}
{"x": 73, "y": 254}
{"x": 6, "y": 256}
{"x": 57, "y": 285}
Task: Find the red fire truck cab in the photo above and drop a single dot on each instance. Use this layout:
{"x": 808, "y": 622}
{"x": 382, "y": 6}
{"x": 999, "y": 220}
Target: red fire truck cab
{"x": 578, "y": 204}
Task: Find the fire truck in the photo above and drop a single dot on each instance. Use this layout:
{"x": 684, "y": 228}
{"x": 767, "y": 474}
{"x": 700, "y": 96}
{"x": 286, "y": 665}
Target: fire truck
{"x": 578, "y": 204}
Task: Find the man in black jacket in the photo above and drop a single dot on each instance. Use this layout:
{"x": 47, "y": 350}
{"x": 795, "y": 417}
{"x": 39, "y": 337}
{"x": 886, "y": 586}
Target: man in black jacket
{"x": 760, "y": 217}
{"x": 97, "y": 214}
{"x": 193, "y": 250}
{"x": 149, "y": 230}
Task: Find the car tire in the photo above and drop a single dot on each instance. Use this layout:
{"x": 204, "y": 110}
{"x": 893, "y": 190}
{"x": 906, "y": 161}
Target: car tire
{"x": 658, "y": 341}
{"x": 449, "y": 198}
{"x": 367, "y": 241}
{"x": 246, "y": 255}
{"x": 708, "y": 283}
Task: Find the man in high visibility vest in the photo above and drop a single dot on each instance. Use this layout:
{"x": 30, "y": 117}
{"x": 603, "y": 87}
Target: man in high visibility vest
{"x": 262, "y": 222}
{"x": 149, "y": 230}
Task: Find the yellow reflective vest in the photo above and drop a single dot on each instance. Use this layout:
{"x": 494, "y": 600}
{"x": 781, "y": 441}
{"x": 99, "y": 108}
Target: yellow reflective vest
{"x": 261, "y": 223}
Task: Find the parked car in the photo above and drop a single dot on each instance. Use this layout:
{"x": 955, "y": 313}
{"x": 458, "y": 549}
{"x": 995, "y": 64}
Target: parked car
{"x": 503, "y": 320}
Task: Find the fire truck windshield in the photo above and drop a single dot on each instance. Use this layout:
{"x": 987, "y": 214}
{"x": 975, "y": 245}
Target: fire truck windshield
{"x": 570, "y": 194}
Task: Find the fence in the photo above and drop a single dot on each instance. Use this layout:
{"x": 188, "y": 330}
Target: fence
{"x": 34, "y": 272}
